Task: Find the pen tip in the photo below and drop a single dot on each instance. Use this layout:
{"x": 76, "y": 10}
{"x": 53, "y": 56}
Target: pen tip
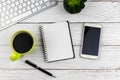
{"x": 53, "y": 76}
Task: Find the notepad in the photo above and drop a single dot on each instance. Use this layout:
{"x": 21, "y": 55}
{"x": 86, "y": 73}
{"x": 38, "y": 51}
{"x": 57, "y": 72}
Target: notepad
{"x": 57, "y": 41}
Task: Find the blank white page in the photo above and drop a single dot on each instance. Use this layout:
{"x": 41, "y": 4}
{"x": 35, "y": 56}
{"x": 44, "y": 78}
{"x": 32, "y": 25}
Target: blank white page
{"x": 58, "y": 41}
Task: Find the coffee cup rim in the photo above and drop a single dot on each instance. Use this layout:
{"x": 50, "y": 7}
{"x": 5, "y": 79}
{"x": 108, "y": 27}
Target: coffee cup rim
{"x": 15, "y": 34}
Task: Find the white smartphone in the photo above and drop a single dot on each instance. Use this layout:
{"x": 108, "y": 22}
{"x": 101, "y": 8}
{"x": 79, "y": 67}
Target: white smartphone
{"x": 91, "y": 40}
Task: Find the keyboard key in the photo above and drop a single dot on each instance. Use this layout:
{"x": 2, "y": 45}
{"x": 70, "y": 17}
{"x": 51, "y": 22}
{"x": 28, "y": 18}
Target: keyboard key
{"x": 53, "y": 2}
{"x": 2, "y": 19}
{"x": 40, "y": 1}
{"x": 32, "y": 1}
{"x": 21, "y": 1}
{"x": 8, "y": 1}
{"x": 46, "y": 0}
{"x": 21, "y": 16}
{"x": 24, "y": 5}
{"x": 25, "y": 0}
{"x": 44, "y": 7}
{"x": 6, "y": 13}
{"x": 34, "y": 10}
{"x": 15, "y": 14}
{"x": 11, "y": 10}
{"x": 12, "y": 0}
{"x": 20, "y": 11}
{"x": 3, "y": 24}
{"x": 3, "y": 14}
{"x": 17, "y": 3}
{"x": 28, "y": 7}
{"x": 12, "y": 5}
{"x": 11, "y": 16}
{"x": 32, "y": 6}
{"x": 2, "y": 0}
{"x": 48, "y": 4}
{"x": 8, "y": 22}
{"x": 28, "y": 3}
{"x": 39, "y": 7}
{"x": 16, "y": 8}
{"x": 3, "y": 9}
{"x": 36, "y": 4}
{"x": 8, "y": 6}
{"x": 20, "y": 6}
{"x": 6, "y": 17}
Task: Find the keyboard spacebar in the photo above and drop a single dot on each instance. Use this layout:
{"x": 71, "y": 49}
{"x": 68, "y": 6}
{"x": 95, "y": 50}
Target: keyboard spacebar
{"x": 21, "y": 16}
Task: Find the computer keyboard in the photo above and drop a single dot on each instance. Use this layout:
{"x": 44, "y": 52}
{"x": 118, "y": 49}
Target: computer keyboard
{"x": 13, "y": 11}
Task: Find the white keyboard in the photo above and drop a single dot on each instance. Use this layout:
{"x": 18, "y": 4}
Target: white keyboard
{"x": 13, "y": 11}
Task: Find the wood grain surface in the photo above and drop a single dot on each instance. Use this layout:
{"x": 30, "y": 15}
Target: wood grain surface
{"x": 107, "y": 67}
{"x": 93, "y": 12}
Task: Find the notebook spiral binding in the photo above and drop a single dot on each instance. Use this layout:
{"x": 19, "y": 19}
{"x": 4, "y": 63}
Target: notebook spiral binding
{"x": 43, "y": 43}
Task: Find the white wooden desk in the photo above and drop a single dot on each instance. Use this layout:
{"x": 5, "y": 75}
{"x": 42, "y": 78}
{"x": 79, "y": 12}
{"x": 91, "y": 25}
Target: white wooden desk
{"x": 104, "y": 12}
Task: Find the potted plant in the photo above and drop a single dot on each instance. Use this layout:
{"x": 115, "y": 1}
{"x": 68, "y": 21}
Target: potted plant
{"x": 74, "y": 6}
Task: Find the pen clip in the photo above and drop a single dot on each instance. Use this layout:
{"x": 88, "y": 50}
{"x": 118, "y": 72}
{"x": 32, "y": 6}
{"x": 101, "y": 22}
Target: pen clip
{"x": 32, "y": 64}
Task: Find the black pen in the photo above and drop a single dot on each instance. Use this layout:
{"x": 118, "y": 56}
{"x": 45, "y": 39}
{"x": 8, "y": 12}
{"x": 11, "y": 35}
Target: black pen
{"x": 37, "y": 67}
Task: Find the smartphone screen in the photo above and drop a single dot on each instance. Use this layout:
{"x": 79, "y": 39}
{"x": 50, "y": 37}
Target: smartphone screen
{"x": 91, "y": 41}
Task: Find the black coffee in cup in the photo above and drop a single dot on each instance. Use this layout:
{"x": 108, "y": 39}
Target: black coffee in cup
{"x": 23, "y": 42}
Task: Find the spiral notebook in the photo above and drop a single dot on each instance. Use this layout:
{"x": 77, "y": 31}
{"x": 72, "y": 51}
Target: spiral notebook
{"x": 57, "y": 41}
